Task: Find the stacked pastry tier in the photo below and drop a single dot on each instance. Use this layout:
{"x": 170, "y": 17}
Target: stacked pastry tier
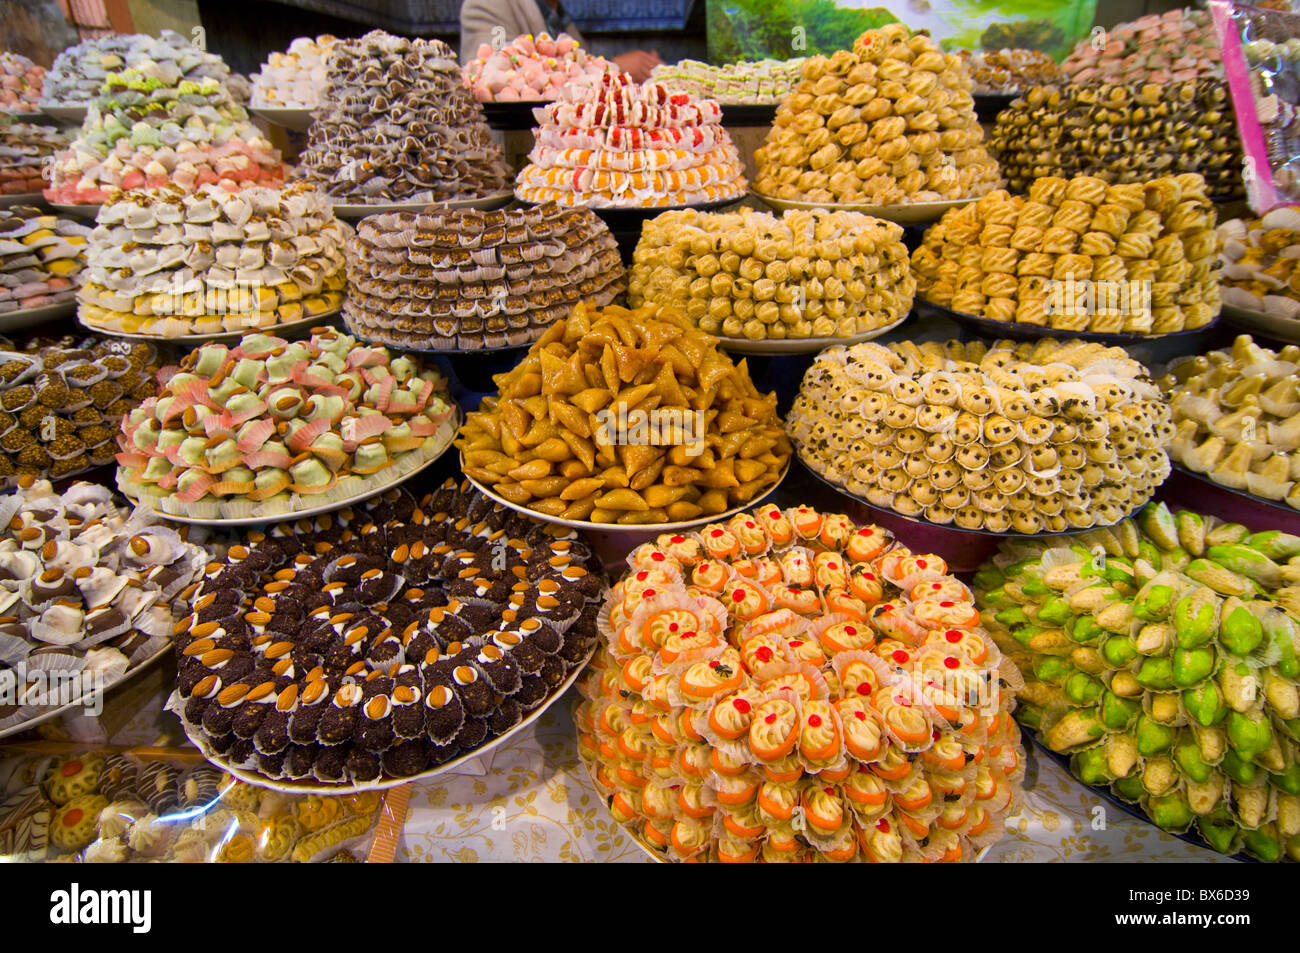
{"x": 388, "y": 638}
{"x": 620, "y": 145}
{"x": 148, "y": 129}
{"x": 792, "y": 686}
{"x": 1010, "y": 71}
{"x": 41, "y": 257}
{"x": 751, "y": 275}
{"x": 397, "y": 124}
{"x": 889, "y": 122}
{"x": 1022, "y": 438}
{"x": 645, "y": 421}
{"x": 88, "y": 589}
{"x": 1079, "y": 255}
{"x": 25, "y": 151}
{"x": 1121, "y": 133}
{"x": 20, "y": 83}
{"x": 1257, "y": 263}
{"x": 462, "y": 280}
{"x": 532, "y": 68}
{"x": 62, "y": 402}
{"x": 1238, "y": 418}
{"x": 1165, "y": 663}
{"x": 270, "y": 427}
{"x": 295, "y": 78}
{"x": 758, "y": 82}
{"x": 79, "y": 72}
{"x": 1177, "y": 45}
{"x": 165, "y": 263}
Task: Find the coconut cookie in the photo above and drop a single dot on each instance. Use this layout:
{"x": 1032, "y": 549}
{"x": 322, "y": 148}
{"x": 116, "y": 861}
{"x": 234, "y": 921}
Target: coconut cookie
{"x": 532, "y": 68}
{"x": 751, "y": 83}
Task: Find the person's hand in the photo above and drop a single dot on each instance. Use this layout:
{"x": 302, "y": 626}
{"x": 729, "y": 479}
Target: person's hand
{"x": 638, "y": 63}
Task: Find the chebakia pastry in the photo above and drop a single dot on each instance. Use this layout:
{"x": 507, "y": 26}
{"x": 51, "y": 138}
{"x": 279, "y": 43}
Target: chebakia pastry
{"x": 622, "y": 145}
{"x": 397, "y": 124}
{"x": 270, "y": 427}
{"x": 532, "y": 68}
{"x": 1010, "y": 71}
{"x": 1176, "y": 45}
{"x": 167, "y": 263}
{"x": 62, "y": 401}
{"x": 1079, "y": 255}
{"x": 26, "y": 150}
{"x": 294, "y": 79}
{"x": 1011, "y": 438}
{"x": 632, "y": 417}
{"x": 1121, "y": 132}
{"x": 750, "y": 83}
{"x": 1162, "y": 656}
{"x": 149, "y": 129}
{"x": 889, "y": 122}
{"x": 789, "y": 685}
{"x": 21, "y": 81}
{"x": 1257, "y": 263}
{"x": 87, "y": 589}
{"x": 383, "y": 639}
{"x": 1237, "y": 414}
{"x": 40, "y": 258}
{"x": 753, "y": 275}
{"x": 461, "y": 279}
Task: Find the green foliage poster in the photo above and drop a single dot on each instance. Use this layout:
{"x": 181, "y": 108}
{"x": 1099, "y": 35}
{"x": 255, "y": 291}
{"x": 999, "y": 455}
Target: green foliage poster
{"x": 754, "y": 29}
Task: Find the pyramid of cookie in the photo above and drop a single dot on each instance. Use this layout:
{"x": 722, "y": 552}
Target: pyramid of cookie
{"x": 383, "y": 639}
{"x": 40, "y": 258}
{"x": 532, "y": 68}
{"x": 62, "y": 401}
{"x": 25, "y": 150}
{"x": 1009, "y": 71}
{"x": 464, "y": 279}
{"x": 790, "y": 685}
{"x": 889, "y": 122}
{"x": 622, "y": 145}
{"x": 150, "y": 128}
{"x": 170, "y": 263}
{"x": 1176, "y": 45}
{"x": 21, "y": 81}
{"x": 296, "y": 77}
{"x": 397, "y": 124}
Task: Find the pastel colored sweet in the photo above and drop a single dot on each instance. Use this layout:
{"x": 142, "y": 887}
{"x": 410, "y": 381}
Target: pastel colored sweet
{"x": 532, "y": 68}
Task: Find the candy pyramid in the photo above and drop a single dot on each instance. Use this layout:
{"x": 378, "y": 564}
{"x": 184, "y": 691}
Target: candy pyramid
{"x": 532, "y": 68}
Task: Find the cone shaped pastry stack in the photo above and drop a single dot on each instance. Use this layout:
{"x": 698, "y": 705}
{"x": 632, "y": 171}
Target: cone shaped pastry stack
{"x": 532, "y": 69}
{"x": 1257, "y": 262}
{"x": 294, "y": 79}
{"x": 1176, "y": 45}
{"x": 889, "y": 122}
{"x": 1163, "y": 655}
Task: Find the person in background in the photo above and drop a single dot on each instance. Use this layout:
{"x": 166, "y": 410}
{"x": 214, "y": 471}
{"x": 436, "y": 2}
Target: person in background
{"x": 497, "y": 22}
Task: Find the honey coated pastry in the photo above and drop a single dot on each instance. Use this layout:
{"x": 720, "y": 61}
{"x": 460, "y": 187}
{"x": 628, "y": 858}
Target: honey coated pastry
{"x": 889, "y": 122}
{"x": 1022, "y": 438}
{"x": 722, "y": 725}
{"x": 41, "y": 257}
{"x": 757, "y": 276}
{"x": 383, "y": 639}
{"x": 465, "y": 279}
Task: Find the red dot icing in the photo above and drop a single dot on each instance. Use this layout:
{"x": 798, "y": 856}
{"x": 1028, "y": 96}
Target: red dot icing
{"x": 714, "y": 664}
{"x": 71, "y": 768}
{"x": 947, "y": 605}
{"x": 850, "y": 630}
{"x": 764, "y": 654}
{"x": 771, "y": 719}
{"x": 950, "y": 662}
{"x": 658, "y": 557}
{"x": 795, "y": 643}
{"x": 742, "y": 706}
{"x": 73, "y": 817}
{"x": 649, "y": 594}
{"x": 953, "y": 636}
{"x": 864, "y": 688}
{"x": 882, "y": 825}
{"x": 815, "y": 721}
{"x": 860, "y": 715}
{"x": 642, "y": 576}
{"x": 902, "y": 702}
{"x": 738, "y": 595}
{"x": 716, "y": 533}
{"x": 672, "y": 626}
{"x": 678, "y": 539}
{"x": 901, "y": 657}
{"x": 921, "y": 564}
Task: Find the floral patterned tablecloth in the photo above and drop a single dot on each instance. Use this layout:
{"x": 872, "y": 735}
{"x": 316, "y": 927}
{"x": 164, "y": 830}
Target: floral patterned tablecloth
{"x": 535, "y": 803}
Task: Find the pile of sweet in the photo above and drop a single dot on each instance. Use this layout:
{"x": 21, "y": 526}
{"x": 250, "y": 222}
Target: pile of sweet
{"x": 1238, "y": 417}
{"x": 752, "y": 275}
{"x": 756, "y": 82}
{"x": 1257, "y": 259}
{"x": 269, "y": 427}
{"x": 1164, "y": 657}
{"x": 40, "y": 258}
{"x": 1124, "y": 132}
{"x": 465, "y": 279}
{"x": 791, "y": 686}
{"x": 642, "y": 419}
{"x": 623, "y": 145}
{"x": 117, "y": 807}
{"x": 294, "y": 79}
{"x": 25, "y": 151}
{"x": 87, "y": 589}
{"x": 1079, "y": 255}
{"x": 1177, "y": 45}
{"x": 1010, "y": 71}
{"x": 1023, "y": 438}
{"x": 62, "y": 401}
{"x": 397, "y": 124}
{"x": 20, "y": 83}
{"x": 388, "y": 638}
{"x": 167, "y": 263}
{"x": 889, "y": 122}
{"x": 79, "y": 72}
{"x": 150, "y": 128}
{"x": 532, "y": 68}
